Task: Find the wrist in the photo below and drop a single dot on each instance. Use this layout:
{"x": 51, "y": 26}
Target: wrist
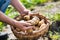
{"x": 13, "y": 22}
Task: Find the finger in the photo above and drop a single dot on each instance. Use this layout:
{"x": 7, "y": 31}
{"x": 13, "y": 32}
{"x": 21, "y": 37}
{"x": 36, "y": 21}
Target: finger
{"x": 29, "y": 28}
{"x": 32, "y": 27}
{"x": 30, "y": 13}
{"x": 26, "y": 24}
{"x": 26, "y": 28}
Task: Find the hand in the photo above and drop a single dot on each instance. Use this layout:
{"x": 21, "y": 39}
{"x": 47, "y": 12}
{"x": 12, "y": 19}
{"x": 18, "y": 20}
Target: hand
{"x": 26, "y": 12}
{"x": 23, "y": 25}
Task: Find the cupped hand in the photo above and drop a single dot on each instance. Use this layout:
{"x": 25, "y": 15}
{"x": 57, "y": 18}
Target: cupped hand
{"x": 26, "y": 12}
{"x": 23, "y": 25}
{"x": 30, "y": 13}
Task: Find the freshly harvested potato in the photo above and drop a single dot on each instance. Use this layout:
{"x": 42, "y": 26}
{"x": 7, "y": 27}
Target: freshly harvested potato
{"x": 17, "y": 29}
{"x": 29, "y": 31}
{"x": 34, "y": 21}
{"x": 18, "y": 18}
{"x": 41, "y": 22}
{"x": 43, "y": 25}
{"x": 27, "y": 17}
{"x": 25, "y": 22}
{"x": 37, "y": 28}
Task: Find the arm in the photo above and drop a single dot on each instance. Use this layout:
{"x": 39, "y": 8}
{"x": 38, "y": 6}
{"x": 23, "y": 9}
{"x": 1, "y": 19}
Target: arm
{"x": 18, "y": 5}
{"x": 4, "y": 18}
{"x": 14, "y": 23}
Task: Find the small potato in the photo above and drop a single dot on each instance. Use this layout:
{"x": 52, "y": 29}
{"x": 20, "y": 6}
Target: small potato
{"x": 34, "y": 21}
{"x": 43, "y": 25}
{"x": 29, "y": 31}
{"x": 27, "y": 17}
{"x": 17, "y": 29}
{"x": 37, "y": 28}
{"x": 41, "y": 22}
{"x": 35, "y": 18}
{"x": 18, "y": 18}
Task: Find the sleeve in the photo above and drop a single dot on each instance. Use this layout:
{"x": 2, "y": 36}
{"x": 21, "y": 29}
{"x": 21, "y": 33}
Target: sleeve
{"x": 5, "y": 5}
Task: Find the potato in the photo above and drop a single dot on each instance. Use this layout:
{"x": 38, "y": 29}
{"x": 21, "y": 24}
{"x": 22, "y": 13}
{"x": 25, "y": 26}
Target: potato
{"x": 29, "y": 31}
{"x": 27, "y": 17}
{"x": 37, "y": 28}
{"x": 41, "y": 22}
{"x": 34, "y": 21}
{"x": 43, "y": 25}
{"x": 18, "y": 18}
{"x": 17, "y": 29}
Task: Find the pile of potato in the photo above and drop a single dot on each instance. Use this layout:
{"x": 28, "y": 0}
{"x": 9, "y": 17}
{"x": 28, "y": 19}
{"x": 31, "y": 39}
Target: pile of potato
{"x": 39, "y": 21}
{"x": 34, "y": 20}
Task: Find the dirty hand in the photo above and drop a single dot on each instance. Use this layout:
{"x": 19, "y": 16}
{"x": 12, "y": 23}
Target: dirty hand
{"x": 23, "y": 25}
{"x": 26, "y": 12}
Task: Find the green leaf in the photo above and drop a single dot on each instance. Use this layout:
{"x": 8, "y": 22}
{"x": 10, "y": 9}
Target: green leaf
{"x": 57, "y": 16}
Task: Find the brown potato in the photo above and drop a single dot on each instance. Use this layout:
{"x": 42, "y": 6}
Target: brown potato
{"x": 17, "y": 29}
{"x": 43, "y": 25}
{"x": 41, "y": 22}
{"x": 34, "y": 21}
{"x": 27, "y": 17}
{"x": 18, "y": 18}
{"x": 29, "y": 31}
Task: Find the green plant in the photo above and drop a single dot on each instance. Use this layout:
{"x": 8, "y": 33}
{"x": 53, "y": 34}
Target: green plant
{"x": 1, "y": 26}
{"x": 57, "y": 16}
{"x": 9, "y": 10}
{"x": 29, "y": 3}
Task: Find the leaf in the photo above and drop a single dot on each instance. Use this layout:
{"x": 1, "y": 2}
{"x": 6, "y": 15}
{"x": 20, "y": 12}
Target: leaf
{"x": 57, "y": 16}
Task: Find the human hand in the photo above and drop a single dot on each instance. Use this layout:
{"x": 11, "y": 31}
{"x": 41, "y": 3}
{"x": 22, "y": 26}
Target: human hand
{"x": 23, "y": 25}
{"x": 26, "y": 12}
{"x": 30, "y": 12}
